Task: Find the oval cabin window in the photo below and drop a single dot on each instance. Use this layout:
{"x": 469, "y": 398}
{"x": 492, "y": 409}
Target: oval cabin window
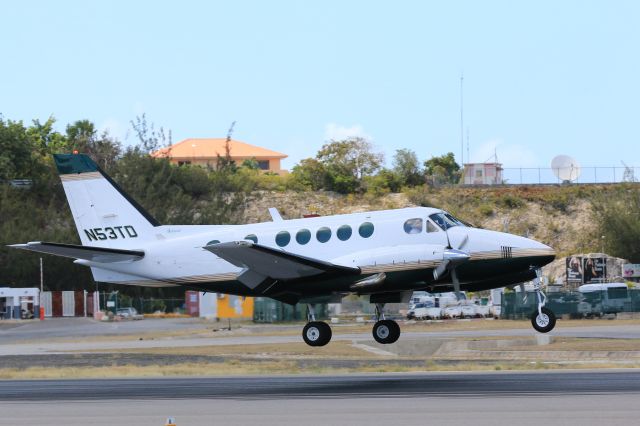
{"x": 323, "y": 234}
{"x": 303, "y": 236}
{"x": 283, "y": 238}
{"x": 366, "y": 230}
{"x": 344, "y": 232}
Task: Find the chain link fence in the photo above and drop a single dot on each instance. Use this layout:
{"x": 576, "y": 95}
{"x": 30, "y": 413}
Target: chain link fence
{"x": 546, "y": 176}
{"x": 573, "y": 304}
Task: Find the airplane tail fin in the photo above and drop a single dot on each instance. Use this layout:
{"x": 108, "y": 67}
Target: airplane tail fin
{"x": 104, "y": 214}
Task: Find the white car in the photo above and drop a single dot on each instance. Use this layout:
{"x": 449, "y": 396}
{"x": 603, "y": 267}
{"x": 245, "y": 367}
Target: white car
{"x": 452, "y": 312}
{"x": 424, "y": 311}
{"x": 467, "y": 311}
{"x": 482, "y": 311}
{"x": 129, "y": 313}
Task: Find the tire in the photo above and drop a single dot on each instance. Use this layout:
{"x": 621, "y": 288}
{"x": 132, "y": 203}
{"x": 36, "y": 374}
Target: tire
{"x": 544, "y": 323}
{"x": 316, "y": 333}
{"x": 386, "y": 332}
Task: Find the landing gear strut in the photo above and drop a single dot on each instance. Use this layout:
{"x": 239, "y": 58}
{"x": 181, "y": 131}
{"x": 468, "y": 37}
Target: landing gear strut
{"x": 315, "y": 333}
{"x": 385, "y": 331}
{"x": 542, "y": 319}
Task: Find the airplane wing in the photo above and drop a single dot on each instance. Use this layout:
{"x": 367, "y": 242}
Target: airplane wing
{"x": 94, "y": 254}
{"x": 264, "y": 264}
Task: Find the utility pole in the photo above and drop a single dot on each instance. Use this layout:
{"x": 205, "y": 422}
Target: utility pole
{"x": 462, "y": 120}
{"x": 41, "y": 277}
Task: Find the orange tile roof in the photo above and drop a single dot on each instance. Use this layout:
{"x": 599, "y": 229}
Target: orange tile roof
{"x": 212, "y": 147}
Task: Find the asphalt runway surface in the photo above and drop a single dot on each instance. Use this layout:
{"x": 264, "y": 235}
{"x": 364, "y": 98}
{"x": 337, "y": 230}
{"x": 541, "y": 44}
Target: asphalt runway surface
{"x": 33, "y": 338}
{"x": 501, "y": 398}
{"x": 351, "y": 386}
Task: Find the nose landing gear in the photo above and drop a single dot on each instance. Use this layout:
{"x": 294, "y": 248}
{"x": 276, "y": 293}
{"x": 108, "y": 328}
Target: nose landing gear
{"x": 385, "y": 331}
{"x": 543, "y": 319}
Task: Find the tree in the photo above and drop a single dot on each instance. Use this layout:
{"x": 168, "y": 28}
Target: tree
{"x": 346, "y": 162}
{"x": 83, "y": 137}
{"x": 619, "y": 223}
{"x": 407, "y": 167}
{"x": 310, "y": 173}
{"x": 150, "y": 139}
{"x": 443, "y": 169}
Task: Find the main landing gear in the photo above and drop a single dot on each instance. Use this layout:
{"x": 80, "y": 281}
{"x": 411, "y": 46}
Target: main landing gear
{"x": 318, "y": 333}
{"x": 542, "y": 319}
{"x": 385, "y": 331}
{"x": 315, "y": 333}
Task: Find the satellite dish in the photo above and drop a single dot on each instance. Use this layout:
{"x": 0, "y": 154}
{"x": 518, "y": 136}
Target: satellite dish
{"x": 566, "y": 168}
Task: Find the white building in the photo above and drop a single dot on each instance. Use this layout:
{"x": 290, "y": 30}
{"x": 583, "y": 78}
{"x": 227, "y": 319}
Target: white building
{"x": 483, "y": 174}
{"x": 14, "y": 300}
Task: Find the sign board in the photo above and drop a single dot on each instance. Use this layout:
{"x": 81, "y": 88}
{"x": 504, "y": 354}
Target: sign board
{"x": 111, "y": 303}
{"x": 574, "y": 269}
{"x": 631, "y": 270}
{"x": 594, "y": 269}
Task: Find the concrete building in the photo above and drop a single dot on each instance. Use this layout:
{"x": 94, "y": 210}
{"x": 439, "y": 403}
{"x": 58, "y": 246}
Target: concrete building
{"x": 15, "y": 301}
{"x": 483, "y": 174}
{"x": 205, "y": 152}
{"x": 218, "y": 305}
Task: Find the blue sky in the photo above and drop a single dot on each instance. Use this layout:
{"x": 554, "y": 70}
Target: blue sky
{"x": 540, "y": 78}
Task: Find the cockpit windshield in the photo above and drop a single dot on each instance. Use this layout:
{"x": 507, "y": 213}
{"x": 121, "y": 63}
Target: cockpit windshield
{"x": 445, "y": 220}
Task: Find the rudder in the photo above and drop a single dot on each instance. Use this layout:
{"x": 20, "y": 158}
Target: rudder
{"x": 105, "y": 216}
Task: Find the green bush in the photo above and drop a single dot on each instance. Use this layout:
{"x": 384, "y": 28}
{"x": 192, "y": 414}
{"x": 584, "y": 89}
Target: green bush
{"x": 485, "y": 210}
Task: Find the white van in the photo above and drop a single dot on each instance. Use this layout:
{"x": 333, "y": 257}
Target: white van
{"x": 606, "y": 298}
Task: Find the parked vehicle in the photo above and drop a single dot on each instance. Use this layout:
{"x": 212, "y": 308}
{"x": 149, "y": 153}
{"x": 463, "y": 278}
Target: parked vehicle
{"x": 482, "y": 311}
{"x": 606, "y": 298}
{"x": 451, "y": 312}
{"x": 467, "y": 310}
{"x": 427, "y": 311}
{"x": 129, "y": 313}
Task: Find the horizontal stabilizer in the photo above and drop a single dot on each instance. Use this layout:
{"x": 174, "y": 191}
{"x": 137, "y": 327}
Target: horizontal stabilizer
{"x": 94, "y": 254}
{"x": 275, "y": 264}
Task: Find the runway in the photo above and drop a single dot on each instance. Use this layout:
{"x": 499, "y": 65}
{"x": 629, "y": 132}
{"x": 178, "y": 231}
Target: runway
{"x": 492, "y": 399}
{"x": 343, "y": 386}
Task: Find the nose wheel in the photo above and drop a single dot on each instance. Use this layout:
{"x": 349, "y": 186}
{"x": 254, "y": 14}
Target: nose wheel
{"x": 543, "y": 319}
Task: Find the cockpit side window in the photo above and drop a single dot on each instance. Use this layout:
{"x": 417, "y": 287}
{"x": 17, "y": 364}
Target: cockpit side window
{"x": 413, "y": 226}
{"x": 445, "y": 220}
{"x": 431, "y": 227}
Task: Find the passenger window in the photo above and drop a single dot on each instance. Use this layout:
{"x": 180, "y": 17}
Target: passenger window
{"x": 431, "y": 227}
{"x": 212, "y": 242}
{"x": 344, "y": 233}
{"x": 323, "y": 234}
{"x": 366, "y": 230}
{"x": 303, "y": 236}
{"x": 283, "y": 238}
{"x": 252, "y": 237}
{"x": 413, "y": 226}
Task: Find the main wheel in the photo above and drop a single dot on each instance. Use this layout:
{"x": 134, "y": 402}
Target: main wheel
{"x": 316, "y": 333}
{"x": 386, "y": 332}
{"x": 543, "y": 323}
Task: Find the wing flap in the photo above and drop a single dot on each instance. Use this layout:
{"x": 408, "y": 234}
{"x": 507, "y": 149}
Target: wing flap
{"x": 273, "y": 263}
{"x": 94, "y": 254}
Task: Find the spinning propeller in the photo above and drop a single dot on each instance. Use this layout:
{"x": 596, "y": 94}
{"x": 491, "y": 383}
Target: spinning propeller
{"x": 451, "y": 259}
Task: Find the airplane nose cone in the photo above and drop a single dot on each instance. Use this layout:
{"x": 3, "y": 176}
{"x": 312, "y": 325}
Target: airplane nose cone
{"x": 540, "y": 253}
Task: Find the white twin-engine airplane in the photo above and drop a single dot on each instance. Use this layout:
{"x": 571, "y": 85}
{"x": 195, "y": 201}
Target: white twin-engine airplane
{"x": 384, "y": 254}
